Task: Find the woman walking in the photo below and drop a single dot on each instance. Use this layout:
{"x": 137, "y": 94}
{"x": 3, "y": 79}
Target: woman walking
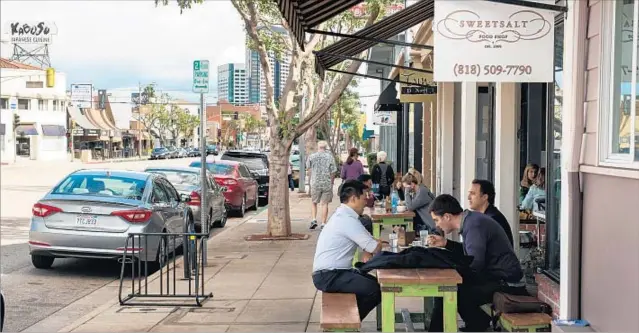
{"x": 353, "y": 168}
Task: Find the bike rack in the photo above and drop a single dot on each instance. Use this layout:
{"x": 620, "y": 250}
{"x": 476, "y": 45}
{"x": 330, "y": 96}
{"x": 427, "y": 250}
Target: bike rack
{"x": 135, "y": 254}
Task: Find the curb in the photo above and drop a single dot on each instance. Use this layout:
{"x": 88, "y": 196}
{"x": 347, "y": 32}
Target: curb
{"x": 115, "y": 300}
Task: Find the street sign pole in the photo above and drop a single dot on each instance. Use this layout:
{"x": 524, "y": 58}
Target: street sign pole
{"x": 201, "y": 86}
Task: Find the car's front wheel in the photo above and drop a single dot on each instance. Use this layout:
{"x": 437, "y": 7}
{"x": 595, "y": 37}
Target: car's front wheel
{"x": 42, "y": 262}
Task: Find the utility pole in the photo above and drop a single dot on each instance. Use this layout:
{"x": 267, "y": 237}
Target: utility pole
{"x": 139, "y": 120}
{"x": 302, "y": 145}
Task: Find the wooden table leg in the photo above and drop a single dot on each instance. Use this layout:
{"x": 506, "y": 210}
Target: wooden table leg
{"x": 388, "y": 311}
{"x": 409, "y": 226}
{"x": 450, "y": 311}
{"x": 377, "y": 230}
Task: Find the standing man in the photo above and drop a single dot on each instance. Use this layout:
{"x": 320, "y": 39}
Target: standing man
{"x": 481, "y": 198}
{"x": 321, "y": 165}
{"x": 336, "y": 246}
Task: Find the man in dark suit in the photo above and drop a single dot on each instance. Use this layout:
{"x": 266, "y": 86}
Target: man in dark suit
{"x": 481, "y": 198}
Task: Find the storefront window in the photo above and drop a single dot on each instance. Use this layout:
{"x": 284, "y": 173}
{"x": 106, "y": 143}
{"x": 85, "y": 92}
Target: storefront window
{"x": 624, "y": 141}
{"x": 553, "y": 173}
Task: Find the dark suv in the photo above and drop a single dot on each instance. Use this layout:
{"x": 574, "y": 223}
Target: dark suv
{"x": 257, "y": 163}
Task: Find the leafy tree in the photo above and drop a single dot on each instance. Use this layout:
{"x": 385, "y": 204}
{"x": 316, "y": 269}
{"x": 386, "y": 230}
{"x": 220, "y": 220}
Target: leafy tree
{"x": 187, "y": 123}
{"x": 259, "y": 18}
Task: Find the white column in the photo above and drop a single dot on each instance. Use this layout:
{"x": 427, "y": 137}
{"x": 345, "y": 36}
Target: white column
{"x": 468, "y": 138}
{"x": 507, "y": 155}
{"x": 445, "y": 137}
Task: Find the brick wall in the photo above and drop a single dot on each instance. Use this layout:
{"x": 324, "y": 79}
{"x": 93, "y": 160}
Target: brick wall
{"x": 548, "y": 291}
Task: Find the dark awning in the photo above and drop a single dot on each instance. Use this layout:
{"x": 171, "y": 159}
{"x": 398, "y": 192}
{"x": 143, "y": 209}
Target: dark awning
{"x": 3, "y": 129}
{"x": 387, "y": 100}
{"x": 53, "y": 130}
{"x": 305, "y": 14}
{"x": 26, "y": 129}
{"x": 374, "y": 34}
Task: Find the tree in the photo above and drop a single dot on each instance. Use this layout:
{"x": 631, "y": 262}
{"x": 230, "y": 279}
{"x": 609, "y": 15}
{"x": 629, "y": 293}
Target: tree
{"x": 259, "y": 16}
{"x": 187, "y": 123}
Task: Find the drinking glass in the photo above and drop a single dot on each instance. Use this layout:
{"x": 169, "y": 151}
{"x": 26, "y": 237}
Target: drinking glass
{"x": 393, "y": 241}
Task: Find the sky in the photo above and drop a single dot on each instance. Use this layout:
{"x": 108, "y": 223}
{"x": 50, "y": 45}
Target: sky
{"x": 116, "y": 45}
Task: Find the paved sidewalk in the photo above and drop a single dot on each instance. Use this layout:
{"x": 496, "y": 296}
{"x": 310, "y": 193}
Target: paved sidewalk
{"x": 260, "y": 286}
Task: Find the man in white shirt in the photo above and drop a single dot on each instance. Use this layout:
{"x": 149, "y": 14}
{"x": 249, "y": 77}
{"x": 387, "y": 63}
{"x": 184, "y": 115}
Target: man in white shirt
{"x": 336, "y": 246}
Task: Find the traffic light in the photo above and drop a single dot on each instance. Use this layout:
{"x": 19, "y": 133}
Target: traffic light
{"x": 219, "y": 132}
{"x": 102, "y": 99}
{"x": 50, "y": 77}
{"x": 236, "y": 116}
{"x": 16, "y": 121}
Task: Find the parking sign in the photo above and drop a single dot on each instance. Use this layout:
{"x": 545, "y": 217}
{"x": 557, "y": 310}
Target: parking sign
{"x": 201, "y": 76}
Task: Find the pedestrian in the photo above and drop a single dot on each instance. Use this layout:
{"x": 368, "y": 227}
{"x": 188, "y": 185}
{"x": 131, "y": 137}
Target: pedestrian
{"x": 353, "y": 168}
{"x": 291, "y": 183}
{"x": 322, "y": 168}
{"x": 336, "y": 246}
{"x": 383, "y": 175}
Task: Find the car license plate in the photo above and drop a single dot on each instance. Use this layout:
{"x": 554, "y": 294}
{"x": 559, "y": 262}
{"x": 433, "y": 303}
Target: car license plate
{"x": 86, "y": 220}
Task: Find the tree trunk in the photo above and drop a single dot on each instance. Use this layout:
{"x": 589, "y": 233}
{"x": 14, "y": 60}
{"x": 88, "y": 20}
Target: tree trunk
{"x": 279, "y": 216}
{"x": 310, "y": 141}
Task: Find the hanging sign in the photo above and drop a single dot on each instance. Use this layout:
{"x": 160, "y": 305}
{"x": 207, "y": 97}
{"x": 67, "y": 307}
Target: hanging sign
{"x": 482, "y": 41}
{"x": 384, "y": 118}
{"x": 422, "y": 84}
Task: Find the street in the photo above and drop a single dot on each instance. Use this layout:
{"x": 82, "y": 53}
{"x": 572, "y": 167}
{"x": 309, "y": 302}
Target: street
{"x": 34, "y": 294}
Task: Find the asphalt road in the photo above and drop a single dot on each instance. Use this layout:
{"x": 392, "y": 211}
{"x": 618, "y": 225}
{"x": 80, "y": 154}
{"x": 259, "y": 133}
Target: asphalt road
{"x": 34, "y": 294}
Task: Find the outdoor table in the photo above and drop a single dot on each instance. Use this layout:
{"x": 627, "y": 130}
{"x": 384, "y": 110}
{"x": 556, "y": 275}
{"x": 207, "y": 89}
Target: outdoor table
{"x": 418, "y": 282}
{"x": 404, "y": 219}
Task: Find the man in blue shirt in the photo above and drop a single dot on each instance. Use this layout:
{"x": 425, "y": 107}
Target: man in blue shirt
{"x": 336, "y": 246}
{"x": 495, "y": 266}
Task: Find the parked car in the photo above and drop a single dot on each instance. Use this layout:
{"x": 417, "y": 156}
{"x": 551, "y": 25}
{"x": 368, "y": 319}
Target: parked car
{"x": 173, "y": 152}
{"x": 241, "y": 186}
{"x": 2, "y": 310}
{"x": 196, "y": 152}
{"x": 186, "y": 181}
{"x": 295, "y": 162}
{"x": 257, "y": 163}
{"x": 181, "y": 152}
{"x": 90, "y": 213}
{"x": 160, "y": 153}
{"x": 211, "y": 150}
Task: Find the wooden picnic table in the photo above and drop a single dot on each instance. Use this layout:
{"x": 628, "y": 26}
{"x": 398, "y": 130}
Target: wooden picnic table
{"x": 419, "y": 282}
{"x": 403, "y": 219}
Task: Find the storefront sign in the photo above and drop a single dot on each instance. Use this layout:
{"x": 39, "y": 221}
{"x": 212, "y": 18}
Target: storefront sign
{"x": 625, "y": 34}
{"x": 91, "y": 132}
{"x": 82, "y": 95}
{"x": 78, "y": 132}
{"x": 422, "y": 84}
{"x": 38, "y": 32}
{"x": 384, "y": 118}
{"x": 482, "y": 41}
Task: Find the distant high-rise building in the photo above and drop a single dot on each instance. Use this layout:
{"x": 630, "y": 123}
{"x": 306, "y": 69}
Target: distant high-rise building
{"x": 232, "y": 84}
{"x": 256, "y": 82}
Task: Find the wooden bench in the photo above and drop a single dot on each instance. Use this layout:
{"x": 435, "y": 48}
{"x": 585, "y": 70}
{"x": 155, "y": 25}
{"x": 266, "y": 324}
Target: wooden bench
{"x": 339, "y": 313}
{"x": 521, "y": 322}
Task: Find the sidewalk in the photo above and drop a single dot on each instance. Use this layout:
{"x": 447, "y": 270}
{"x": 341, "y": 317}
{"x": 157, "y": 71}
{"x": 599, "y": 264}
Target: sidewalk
{"x": 257, "y": 286}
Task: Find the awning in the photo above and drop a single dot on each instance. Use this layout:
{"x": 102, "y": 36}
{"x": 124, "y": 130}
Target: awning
{"x": 26, "y": 129}
{"x": 305, "y": 14}
{"x": 53, "y": 130}
{"x": 387, "y": 100}
{"x": 374, "y": 34}
{"x": 79, "y": 118}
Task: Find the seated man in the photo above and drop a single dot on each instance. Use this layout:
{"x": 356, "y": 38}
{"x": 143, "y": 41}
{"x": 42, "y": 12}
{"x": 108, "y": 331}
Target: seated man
{"x": 336, "y": 247}
{"x": 418, "y": 198}
{"x": 495, "y": 266}
{"x": 481, "y": 197}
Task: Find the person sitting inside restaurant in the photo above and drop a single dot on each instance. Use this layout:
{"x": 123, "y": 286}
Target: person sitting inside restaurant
{"x": 418, "y": 198}
{"x": 366, "y": 220}
{"x": 527, "y": 180}
{"x": 481, "y": 198}
{"x": 495, "y": 266}
{"x": 336, "y": 247}
{"x": 538, "y": 190}
{"x": 399, "y": 186}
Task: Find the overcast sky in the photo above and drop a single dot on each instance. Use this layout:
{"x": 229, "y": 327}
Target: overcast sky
{"x": 116, "y": 44}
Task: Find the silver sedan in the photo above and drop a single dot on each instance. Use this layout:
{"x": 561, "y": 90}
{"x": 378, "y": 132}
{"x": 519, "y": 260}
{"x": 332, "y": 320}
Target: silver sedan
{"x": 91, "y": 213}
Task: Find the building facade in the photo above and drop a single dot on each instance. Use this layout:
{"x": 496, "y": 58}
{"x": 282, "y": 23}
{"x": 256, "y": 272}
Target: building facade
{"x": 232, "y": 83}
{"x": 256, "y": 82}
{"x": 33, "y": 116}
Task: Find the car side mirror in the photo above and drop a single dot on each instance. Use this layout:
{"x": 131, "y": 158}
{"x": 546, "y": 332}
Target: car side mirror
{"x": 185, "y": 198}
{"x": 255, "y": 175}
{"x": 224, "y": 189}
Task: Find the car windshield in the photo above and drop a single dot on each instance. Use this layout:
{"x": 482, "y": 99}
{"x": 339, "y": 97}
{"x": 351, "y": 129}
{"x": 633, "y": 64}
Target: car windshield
{"x": 253, "y": 163}
{"x": 216, "y": 169}
{"x": 159, "y": 150}
{"x": 101, "y": 186}
{"x": 178, "y": 178}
